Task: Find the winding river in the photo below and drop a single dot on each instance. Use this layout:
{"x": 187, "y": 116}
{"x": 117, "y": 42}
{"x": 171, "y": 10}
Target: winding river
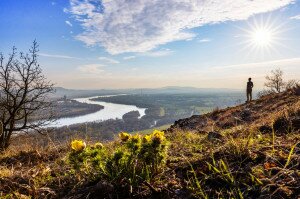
{"x": 110, "y": 111}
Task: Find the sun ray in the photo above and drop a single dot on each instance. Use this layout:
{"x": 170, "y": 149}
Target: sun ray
{"x": 262, "y": 36}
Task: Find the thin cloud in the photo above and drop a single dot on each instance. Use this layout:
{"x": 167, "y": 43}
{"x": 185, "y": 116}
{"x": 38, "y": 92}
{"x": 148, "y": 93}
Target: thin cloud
{"x": 297, "y": 17}
{"x": 69, "y": 23}
{"x": 158, "y": 53}
{"x": 204, "y": 40}
{"x": 140, "y": 26}
{"x": 109, "y": 60}
{"x": 282, "y": 63}
{"x": 91, "y": 69}
{"x": 57, "y": 56}
{"x": 128, "y": 57}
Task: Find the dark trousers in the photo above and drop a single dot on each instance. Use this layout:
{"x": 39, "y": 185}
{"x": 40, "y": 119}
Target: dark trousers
{"x": 249, "y": 95}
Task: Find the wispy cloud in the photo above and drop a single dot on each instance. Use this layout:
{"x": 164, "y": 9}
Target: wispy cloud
{"x": 158, "y": 53}
{"x": 109, "y": 60}
{"x": 58, "y": 56}
{"x": 91, "y": 69}
{"x": 128, "y": 57}
{"x": 139, "y": 26}
{"x": 282, "y": 63}
{"x": 69, "y": 23}
{"x": 204, "y": 40}
{"x": 297, "y": 17}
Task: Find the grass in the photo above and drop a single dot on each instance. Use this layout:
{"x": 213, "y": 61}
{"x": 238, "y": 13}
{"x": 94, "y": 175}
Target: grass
{"x": 245, "y": 163}
{"x": 147, "y": 131}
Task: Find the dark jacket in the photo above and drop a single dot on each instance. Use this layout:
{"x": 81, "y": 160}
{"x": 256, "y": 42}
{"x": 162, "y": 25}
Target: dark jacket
{"x": 249, "y": 85}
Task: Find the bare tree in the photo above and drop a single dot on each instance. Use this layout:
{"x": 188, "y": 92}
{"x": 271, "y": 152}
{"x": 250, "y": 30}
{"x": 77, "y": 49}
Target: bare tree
{"x": 275, "y": 81}
{"x": 24, "y": 93}
{"x": 291, "y": 84}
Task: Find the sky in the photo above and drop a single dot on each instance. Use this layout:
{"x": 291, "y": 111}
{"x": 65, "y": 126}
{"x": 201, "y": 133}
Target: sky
{"x": 95, "y": 44}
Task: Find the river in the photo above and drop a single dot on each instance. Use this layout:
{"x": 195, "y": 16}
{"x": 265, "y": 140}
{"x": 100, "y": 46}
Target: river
{"x": 110, "y": 111}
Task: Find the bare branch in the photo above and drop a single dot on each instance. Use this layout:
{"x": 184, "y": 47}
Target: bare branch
{"x": 23, "y": 95}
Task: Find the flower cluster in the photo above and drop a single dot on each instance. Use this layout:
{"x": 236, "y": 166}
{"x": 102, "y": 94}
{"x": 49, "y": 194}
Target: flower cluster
{"x": 156, "y": 136}
{"x": 150, "y": 149}
{"x": 84, "y": 157}
{"x": 137, "y": 158}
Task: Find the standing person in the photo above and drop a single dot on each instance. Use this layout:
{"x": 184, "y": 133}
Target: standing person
{"x": 249, "y": 90}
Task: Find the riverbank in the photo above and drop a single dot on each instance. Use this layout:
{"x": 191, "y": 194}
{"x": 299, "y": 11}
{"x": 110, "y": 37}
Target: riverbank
{"x": 74, "y": 108}
{"x": 108, "y": 112}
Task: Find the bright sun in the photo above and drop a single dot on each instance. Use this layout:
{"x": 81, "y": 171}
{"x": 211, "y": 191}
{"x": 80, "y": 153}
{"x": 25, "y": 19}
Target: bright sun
{"x": 262, "y": 37}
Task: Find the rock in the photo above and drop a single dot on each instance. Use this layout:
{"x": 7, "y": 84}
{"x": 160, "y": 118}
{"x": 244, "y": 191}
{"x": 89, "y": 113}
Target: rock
{"x": 281, "y": 125}
{"x": 245, "y": 115}
{"x": 265, "y": 129}
{"x": 214, "y": 135}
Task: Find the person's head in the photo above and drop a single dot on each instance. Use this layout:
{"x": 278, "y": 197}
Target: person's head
{"x": 249, "y": 79}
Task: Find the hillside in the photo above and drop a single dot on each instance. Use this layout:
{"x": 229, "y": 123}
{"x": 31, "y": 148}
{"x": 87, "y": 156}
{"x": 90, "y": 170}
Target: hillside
{"x": 247, "y": 151}
{"x": 259, "y": 112}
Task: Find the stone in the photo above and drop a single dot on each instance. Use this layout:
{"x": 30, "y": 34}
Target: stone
{"x": 281, "y": 125}
{"x": 245, "y": 115}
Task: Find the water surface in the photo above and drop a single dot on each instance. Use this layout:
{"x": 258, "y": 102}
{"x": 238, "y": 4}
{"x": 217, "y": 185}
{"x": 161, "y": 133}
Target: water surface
{"x": 110, "y": 111}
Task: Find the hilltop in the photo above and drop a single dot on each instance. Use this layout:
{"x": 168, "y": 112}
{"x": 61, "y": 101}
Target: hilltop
{"x": 260, "y": 112}
{"x": 247, "y": 151}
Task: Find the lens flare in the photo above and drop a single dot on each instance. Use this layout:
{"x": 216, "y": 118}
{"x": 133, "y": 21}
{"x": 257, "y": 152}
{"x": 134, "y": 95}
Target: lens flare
{"x": 262, "y": 37}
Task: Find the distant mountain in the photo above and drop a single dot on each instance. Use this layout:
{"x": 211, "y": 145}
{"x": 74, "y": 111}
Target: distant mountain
{"x": 178, "y": 89}
{"x": 73, "y": 93}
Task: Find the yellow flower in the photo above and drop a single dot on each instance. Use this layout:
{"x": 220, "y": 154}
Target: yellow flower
{"x": 98, "y": 145}
{"x": 135, "y": 138}
{"x": 124, "y": 136}
{"x": 158, "y": 136}
{"x": 147, "y": 138}
{"x": 78, "y": 145}
{"x": 158, "y": 133}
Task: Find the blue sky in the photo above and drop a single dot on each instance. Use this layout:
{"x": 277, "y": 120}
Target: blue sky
{"x": 92, "y": 44}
